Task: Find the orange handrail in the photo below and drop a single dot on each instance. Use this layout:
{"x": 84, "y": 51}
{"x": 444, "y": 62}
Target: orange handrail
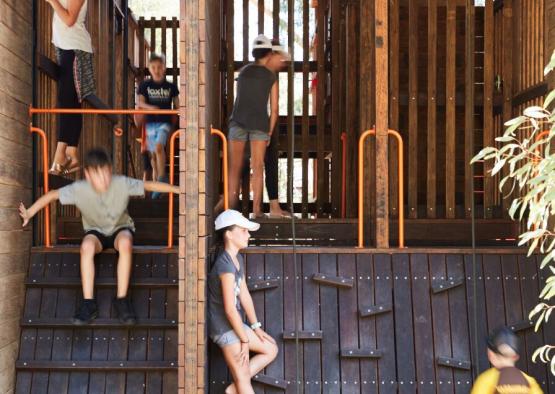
{"x": 343, "y": 175}
{"x": 361, "y": 185}
{"x": 170, "y": 205}
{"x": 118, "y": 132}
{"x": 44, "y": 139}
{"x": 217, "y": 132}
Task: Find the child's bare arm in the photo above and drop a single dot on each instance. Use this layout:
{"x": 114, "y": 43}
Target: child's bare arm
{"x": 144, "y": 105}
{"x": 27, "y": 213}
{"x": 161, "y": 187}
{"x": 68, "y": 16}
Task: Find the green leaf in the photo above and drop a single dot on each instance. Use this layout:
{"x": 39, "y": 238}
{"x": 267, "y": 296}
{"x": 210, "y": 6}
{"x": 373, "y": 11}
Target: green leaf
{"x": 498, "y": 166}
{"x": 549, "y": 99}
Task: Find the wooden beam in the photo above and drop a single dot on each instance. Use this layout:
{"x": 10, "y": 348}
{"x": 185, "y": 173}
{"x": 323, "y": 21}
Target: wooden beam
{"x": 261, "y": 16}
{"x": 507, "y": 75}
{"x": 431, "y": 184}
{"x": 488, "y": 104}
{"x": 305, "y": 136}
{"x": 336, "y": 103}
{"x": 450, "y": 126}
{"x": 413, "y": 111}
{"x": 382, "y": 94}
{"x": 533, "y": 92}
{"x": 320, "y": 107}
{"x": 469, "y": 107}
{"x": 290, "y": 96}
{"x": 394, "y": 33}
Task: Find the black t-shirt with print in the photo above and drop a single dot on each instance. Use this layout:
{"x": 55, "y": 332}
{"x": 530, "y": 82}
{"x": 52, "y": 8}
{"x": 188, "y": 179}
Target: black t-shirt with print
{"x": 160, "y": 94}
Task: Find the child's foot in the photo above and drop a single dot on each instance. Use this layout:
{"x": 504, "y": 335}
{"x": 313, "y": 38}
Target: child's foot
{"x": 87, "y": 312}
{"x": 125, "y": 311}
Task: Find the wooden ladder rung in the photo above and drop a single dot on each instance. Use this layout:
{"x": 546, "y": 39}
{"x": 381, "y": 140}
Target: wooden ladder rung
{"x": 263, "y": 284}
{"x": 103, "y": 365}
{"x": 361, "y": 353}
{"x": 339, "y": 281}
{"x": 373, "y": 310}
{"x": 97, "y": 323}
{"x": 306, "y": 335}
{"x": 270, "y": 381}
{"x": 443, "y": 285}
{"x": 453, "y": 363}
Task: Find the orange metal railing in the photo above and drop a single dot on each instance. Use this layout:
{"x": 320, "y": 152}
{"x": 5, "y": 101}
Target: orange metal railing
{"x": 217, "y": 132}
{"x": 45, "y": 167}
{"x": 117, "y": 131}
{"x": 170, "y": 204}
{"x": 361, "y": 185}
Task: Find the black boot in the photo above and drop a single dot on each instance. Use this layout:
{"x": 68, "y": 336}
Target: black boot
{"x": 125, "y": 311}
{"x": 87, "y": 312}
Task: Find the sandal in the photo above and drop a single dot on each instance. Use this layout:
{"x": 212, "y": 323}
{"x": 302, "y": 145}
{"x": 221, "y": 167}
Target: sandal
{"x": 67, "y": 168}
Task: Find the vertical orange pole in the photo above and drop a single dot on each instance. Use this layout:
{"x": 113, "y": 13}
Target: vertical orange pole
{"x": 217, "y": 132}
{"x": 361, "y": 185}
{"x": 343, "y": 175}
{"x": 401, "y": 187}
{"x": 170, "y": 205}
{"x": 45, "y": 167}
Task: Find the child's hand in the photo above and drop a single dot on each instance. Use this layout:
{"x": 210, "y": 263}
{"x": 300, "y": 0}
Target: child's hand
{"x": 24, "y": 214}
{"x": 263, "y": 336}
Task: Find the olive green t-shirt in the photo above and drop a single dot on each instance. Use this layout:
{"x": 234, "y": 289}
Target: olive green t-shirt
{"x": 104, "y": 212}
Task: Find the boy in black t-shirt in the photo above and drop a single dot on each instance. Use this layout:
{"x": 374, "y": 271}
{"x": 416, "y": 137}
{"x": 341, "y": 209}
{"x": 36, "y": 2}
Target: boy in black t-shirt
{"x": 158, "y": 93}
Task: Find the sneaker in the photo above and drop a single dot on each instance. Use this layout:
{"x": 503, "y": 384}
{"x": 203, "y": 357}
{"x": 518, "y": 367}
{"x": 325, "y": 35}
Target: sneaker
{"x": 125, "y": 311}
{"x": 87, "y": 312}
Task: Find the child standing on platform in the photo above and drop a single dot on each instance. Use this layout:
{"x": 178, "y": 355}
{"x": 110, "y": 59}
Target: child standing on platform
{"x": 102, "y": 199}
{"x": 158, "y": 93}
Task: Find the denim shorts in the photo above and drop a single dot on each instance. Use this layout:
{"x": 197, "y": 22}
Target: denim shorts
{"x": 228, "y": 337}
{"x": 156, "y": 133}
{"x": 239, "y": 133}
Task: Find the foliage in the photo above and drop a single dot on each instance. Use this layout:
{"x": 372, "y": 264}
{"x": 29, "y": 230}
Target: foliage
{"x": 525, "y": 159}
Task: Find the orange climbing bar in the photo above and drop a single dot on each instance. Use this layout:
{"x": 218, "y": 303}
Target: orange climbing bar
{"x": 217, "y": 132}
{"x": 343, "y": 175}
{"x": 170, "y": 205}
{"x": 45, "y": 168}
{"x": 361, "y": 185}
{"x": 87, "y": 111}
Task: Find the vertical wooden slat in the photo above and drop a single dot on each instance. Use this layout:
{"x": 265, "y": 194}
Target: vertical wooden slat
{"x": 507, "y": 74}
{"x": 413, "y": 111}
{"x": 541, "y": 39}
{"x": 393, "y": 105}
{"x": 245, "y": 180}
{"x": 152, "y": 34}
{"x": 431, "y": 191}
{"x": 261, "y": 16}
{"x": 336, "y": 111}
{"x": 320, "y": 107}
{"x": 290, "y": 96}
{"x": 175, "y": 45}
{"x": 305, "y": 137}
{"x": 163, "y": 38}
{"x": 488, "y": 104}
{"x": 450, "y": 110}
{"x": 366, "y": 112}
{"x": 382, "y": 117}
{"x": 275, "y": 19}
{"x": 469, "y": 107}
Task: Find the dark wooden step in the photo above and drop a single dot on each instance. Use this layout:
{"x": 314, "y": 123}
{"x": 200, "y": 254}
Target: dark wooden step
{"x": 100, "y": 282}
{"x": 97, "y": 323}
{"x": 110, "y": 365}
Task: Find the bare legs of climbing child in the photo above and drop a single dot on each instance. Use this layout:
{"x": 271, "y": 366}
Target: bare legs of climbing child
{"x": 92, "y": 244}
{"x": 242, "y": 373}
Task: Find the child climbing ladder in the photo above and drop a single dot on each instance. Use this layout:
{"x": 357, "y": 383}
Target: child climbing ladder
{"x": 102, "y": 199}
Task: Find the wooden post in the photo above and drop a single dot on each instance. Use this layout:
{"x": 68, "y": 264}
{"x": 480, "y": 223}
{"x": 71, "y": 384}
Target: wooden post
{"x": 336, "y": 102}
{"x": 413, "y": 111}
{"x": 469, "y": 108}
{"x": 305, "y": 136}
{"x": 382, "y": 94}
{"x": 394, "y": 33}
{"x": 320, "y": 107}
{"x": 431, "y": 189}
{"x": 450, "y": 127}
{"x": 488, "y": 104}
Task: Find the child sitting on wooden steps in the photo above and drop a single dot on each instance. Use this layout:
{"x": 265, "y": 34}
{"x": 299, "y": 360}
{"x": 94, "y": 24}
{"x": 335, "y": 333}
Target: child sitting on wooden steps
{"x": 102, "y": 199}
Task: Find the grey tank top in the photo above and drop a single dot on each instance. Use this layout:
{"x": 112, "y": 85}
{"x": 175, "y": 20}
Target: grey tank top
{"x": 250, "y": 110}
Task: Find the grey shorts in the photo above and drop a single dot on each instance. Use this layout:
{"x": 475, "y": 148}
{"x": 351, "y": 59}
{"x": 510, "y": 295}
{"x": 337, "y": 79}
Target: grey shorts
{"x": 238, "y": 133}
{"x": 228, "y": 337}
